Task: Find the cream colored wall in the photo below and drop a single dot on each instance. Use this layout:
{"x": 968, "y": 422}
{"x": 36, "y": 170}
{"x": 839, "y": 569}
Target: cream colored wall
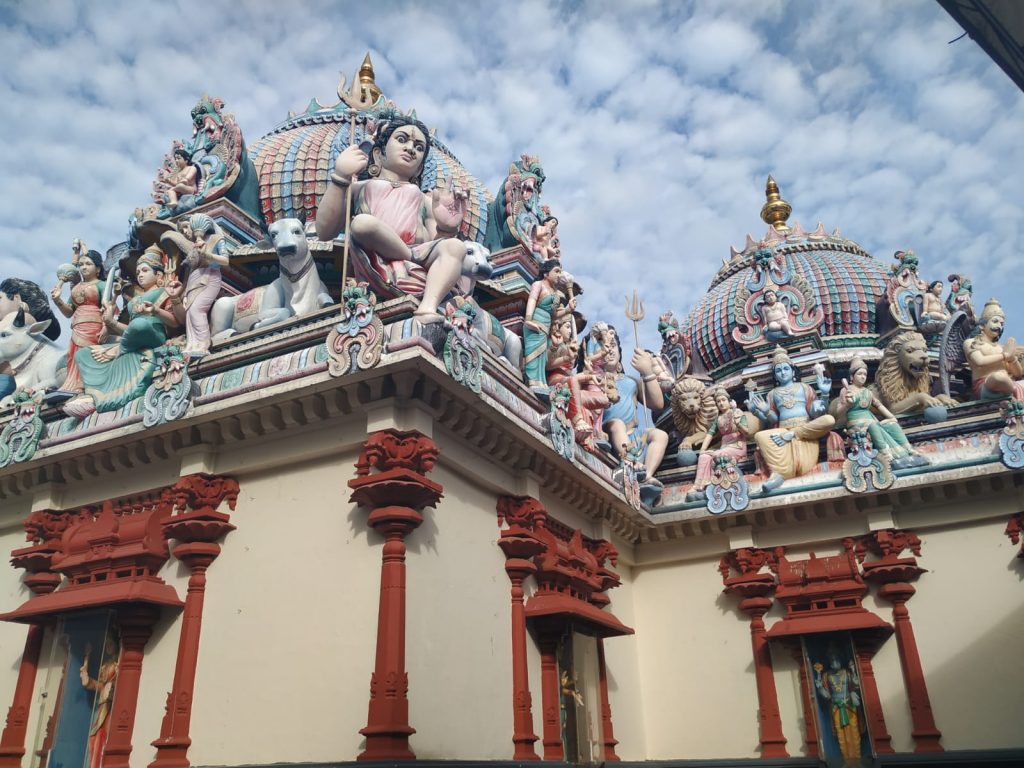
{"x": 12, "y": 594}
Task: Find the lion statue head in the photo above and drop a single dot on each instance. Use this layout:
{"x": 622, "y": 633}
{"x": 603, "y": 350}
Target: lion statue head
{"x": 693, "y": 407}
{"x": 903, "y": 372}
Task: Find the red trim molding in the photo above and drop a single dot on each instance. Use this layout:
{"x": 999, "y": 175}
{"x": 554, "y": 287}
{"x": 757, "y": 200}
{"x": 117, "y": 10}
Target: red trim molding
{"x": 754, "y": 589}
{"x": 894, "y": 574}
{"x": 396, "y": 494}
{"x": 196, "y": 526}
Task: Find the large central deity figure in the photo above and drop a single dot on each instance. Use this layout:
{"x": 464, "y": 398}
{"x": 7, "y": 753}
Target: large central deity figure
{"x": 393, "y": 219}
{"x": 995, "y": 369}
{"x": 798, "y": 421}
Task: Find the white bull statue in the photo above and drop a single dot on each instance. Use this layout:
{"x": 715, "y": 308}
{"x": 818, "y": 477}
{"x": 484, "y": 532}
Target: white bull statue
{"x": 27, "y": 354}
{"x": 297, "y": 291}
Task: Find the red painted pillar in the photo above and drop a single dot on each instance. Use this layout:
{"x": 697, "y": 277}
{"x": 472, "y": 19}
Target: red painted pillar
{"x": 926, "y": 734}
{"x": 773, "y": 743}
{"x": 810, "y": 729}
{"x": 873, "y": 704}
{"x": 523, "y": 737}
{"x": 12, "y": 742}
{"x": 608, "y": 736}
{"x": 551, "y": 699}
{"x": 396, "y": 495}
{"x": 136, "y": 626}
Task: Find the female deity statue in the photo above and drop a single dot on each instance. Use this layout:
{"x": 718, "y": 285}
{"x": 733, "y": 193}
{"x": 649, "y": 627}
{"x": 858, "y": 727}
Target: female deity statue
{"x": 116, "y": 374}
{"x": 588, "y": 398}
{"x": 733, "y": 445}
{"x": 858, "y": 406}
{"x": 625, "y": 421}
{"x": 103, "y": 686}
{"x": 205, "y": 252}
{"x": 85, "y": 312}
{"x": 797, "y": 421}
{"x": 543, "y": 309}
{"x": 413, "y": 232}
{"x": 934, "y": 310}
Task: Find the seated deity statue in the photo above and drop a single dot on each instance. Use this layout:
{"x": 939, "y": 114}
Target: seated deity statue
{"x": 797, "y": 419}
{"x": 859, "y": 409}
{"x": 934, "y": 310}
{"x": 625, "y": 420}
{"x": 394, "y": 221}
{"x": 775, "y": 316}
{"x": 996, "y": 369}
{"x": 729, "y": 429}
{"x": 588, "y": 398}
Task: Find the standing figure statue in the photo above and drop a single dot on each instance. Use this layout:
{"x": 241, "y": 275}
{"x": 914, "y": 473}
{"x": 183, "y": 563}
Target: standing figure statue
{"x": 840, "y": 687}
{"x": 729, "y": 426}
{"x": 857, "y": 406}
{"x": 797, "y": 419}
{"x": 85, "y": 311}
{"x": 625, "y": 420}
{"x": 394, "y": 220}
{"x": 103, "y": 687}
{"x": 204, "y": 252}
{"x": 543, "y": 309}
{"x": 996, "y": 370}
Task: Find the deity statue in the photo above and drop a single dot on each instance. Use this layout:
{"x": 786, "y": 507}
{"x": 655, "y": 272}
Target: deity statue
{"x": 411, "y": 231}
{"x": 797, "y": 419}
{"x": 85, "y": 311}
{"x": 625, "y": 421}
{"x": 996, "y": 369}
{"x": 204, "y": 252}
{"x": 103, "y": 687}
{"x": 116, "y": 374}
{"x": 729, "y": 427}
{"x": 543, "y": 309}
{"x": 775, "y": 317}
{"x": 544, "y": 237}
{"x": 587, "y": 395}
{"x": 840, "y": 687}
{"x": 934, "y": 310}
{"x": 177, "y": 180}
{"x": 857, "y": 407}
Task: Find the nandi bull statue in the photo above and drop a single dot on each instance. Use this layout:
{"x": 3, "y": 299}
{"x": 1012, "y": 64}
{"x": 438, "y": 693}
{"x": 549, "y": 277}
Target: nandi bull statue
{"x": 27, "y": 354}
{"x": 297, "y": 291}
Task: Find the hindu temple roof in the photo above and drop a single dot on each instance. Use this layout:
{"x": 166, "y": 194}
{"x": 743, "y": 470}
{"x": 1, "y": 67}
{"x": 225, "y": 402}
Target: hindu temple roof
{"x": 848, "y": 283}
{"x": 293, "y": 161}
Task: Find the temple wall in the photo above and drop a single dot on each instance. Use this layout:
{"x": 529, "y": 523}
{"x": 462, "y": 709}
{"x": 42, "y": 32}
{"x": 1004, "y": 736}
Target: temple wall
{"x": 12, "y": 594}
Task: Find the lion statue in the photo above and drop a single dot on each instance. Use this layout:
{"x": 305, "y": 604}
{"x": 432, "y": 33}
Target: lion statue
{"x": 693, "y": 410}
{"x": 902, "y": 381}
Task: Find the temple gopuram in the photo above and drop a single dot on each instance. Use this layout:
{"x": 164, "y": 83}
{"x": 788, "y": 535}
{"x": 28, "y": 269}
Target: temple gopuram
{"x": 330, "y": 463}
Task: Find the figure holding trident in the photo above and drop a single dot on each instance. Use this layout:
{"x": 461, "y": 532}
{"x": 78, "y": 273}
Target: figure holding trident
{"x": 407, "y": 234}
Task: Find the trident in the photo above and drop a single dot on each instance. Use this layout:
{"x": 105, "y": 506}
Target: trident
{"x": 635, "y": 312}
{"x": 355, "y": 99}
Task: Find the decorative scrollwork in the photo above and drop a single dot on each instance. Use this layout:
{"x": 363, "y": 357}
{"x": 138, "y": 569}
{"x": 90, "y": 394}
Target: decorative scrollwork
{"x": 462, "y": 357}
{"x": 774, "y": 302}
{"x": 727, "y": 490}
{"x": 1011, "y": 439}
{"x": 865, "y": 468}
{"x": 357, "y": 341}
{"x": 170, "y": 393}
{"x": 19, "y": 439}
{"x": 559, "y": 426}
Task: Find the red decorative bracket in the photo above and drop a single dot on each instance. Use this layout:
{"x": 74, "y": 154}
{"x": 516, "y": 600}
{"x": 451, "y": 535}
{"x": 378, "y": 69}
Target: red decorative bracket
{"x": 1014, "y": 528}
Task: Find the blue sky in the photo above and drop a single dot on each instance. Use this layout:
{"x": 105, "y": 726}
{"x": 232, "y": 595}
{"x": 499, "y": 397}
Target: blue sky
{"x": 657, "y": 123}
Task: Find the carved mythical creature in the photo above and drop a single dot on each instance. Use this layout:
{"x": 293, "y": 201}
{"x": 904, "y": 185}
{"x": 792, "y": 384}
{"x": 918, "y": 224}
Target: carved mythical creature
{"x": 516, "y": 212}
{"x": 902, "y": 381}
{"x": 693, "y": 410}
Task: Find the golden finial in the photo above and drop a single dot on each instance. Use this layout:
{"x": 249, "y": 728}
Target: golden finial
{"x": 366, "y": 79}
{"x": 775, "y": 211}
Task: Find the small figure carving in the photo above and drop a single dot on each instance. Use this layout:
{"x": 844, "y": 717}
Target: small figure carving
{"x": 411, "y": 231}
{"x": 543, "y": 309}
{"x": 996, "y": 369}
{"x": 84, "y": 310}
{"x": 934, "y": 311}
{"x": 857, "y": 407}
{"x": 775, "y": 317}
{"x": 902, "y": 382}
{"x": 544, "y": 238}
{"x": 961, "y": 292}
{"x": 774, "y": 302}
{"x": 840, "y": 687}
{"x": 297, "y": 291}
{"x": 727, "y": 425}
{"x": 797, "y": 421}
{"x": 178, "y": 180}
{"x": 203, "y": 252}
{"x": 674, "y": 347}
{"x": 103, "y": 687}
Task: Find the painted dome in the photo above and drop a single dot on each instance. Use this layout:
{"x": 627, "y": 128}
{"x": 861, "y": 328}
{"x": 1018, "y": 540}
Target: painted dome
{"x": 848, "y": 285}
{"x": 294, "y": 160}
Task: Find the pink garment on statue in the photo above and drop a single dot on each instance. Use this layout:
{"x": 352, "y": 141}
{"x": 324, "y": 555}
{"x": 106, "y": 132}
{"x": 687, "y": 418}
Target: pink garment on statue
{"x": 201, "y": 292}
{"x": 401, "y": 208}
{"x": 734, "y": 446}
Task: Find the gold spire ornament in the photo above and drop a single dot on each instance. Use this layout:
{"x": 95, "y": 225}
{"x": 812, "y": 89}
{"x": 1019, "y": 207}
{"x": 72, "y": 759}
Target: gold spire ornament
{"x": 775, "y": 211}
{"x": 367, "y": 80}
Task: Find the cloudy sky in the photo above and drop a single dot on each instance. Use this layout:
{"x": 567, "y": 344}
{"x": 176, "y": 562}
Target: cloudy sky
{"x": 657, "y": 123}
